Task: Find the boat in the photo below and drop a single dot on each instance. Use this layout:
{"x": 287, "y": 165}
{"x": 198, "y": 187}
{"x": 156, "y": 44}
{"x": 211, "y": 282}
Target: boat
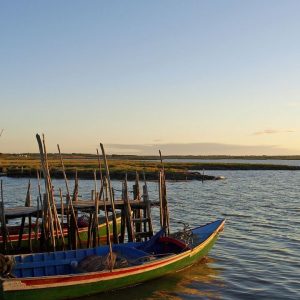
{"x": 75, "y": 273}
{"x": 82, "y": 230}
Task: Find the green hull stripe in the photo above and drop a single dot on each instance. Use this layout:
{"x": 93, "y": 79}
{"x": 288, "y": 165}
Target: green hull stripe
{"x": 67, "y": 292}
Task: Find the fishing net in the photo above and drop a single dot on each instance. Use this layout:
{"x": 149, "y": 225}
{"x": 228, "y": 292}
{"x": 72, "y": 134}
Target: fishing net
{"x": 83, "y": 221}
{"x": 94, "y": 263}
{"x": 6, "y": 266}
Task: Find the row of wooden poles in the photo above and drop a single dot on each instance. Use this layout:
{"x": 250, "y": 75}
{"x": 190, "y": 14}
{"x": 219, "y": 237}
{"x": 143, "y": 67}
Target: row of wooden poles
{"x": 138, "y": 222}
{"x": 51, "y": 225}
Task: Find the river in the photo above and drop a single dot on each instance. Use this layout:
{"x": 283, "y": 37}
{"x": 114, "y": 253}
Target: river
{"x": 257, "y": 255}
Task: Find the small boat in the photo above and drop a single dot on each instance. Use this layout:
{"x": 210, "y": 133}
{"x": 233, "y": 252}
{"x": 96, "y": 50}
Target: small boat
{"x": 82, "y": 229}
{"x": 75, "y": 273}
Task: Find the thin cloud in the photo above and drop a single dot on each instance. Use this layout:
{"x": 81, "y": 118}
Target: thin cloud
{"x": 272, "y": 131}
{"x": 266, "y": 131}
{"x": 291, "y": 130}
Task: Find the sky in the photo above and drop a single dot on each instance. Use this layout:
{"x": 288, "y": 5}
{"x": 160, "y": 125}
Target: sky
{"x": 189, "y": 77}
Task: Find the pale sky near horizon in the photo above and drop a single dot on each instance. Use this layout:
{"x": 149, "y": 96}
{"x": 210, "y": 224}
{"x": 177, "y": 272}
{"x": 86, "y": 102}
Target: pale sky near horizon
{"x": 190, "y": 77}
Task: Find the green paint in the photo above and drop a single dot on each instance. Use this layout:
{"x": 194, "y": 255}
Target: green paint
{"x": 80, "y": 290}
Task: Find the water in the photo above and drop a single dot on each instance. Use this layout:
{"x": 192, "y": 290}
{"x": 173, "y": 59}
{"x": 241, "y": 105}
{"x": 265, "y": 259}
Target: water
{"x": 285, "y": 162}
{"x": 256, "y": 257}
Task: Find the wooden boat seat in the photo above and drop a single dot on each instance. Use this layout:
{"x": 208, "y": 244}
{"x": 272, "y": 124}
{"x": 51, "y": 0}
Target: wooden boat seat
{"x": 170, "y": 244}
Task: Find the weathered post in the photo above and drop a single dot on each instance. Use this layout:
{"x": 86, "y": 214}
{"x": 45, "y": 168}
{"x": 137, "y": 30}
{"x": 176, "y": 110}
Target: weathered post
{"x": 115, "y": 228}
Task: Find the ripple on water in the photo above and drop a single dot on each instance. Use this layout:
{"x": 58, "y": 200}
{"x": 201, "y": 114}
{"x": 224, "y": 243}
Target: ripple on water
{"x": 257, "y": 255}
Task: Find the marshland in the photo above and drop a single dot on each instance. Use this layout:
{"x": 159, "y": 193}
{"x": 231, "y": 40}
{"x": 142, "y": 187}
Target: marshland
{"x": 177, "y": 167}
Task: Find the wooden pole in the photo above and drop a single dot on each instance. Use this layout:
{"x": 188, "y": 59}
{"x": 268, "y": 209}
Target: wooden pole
{"x": 137, "y": 211}
{"x": 115, "y": 228}
{"x": 101, "y": 193}
{"x": 100, "y": 169}
{"x": 107, "y": 223}
{"x": 59, "y": 230}
{"x": 69, "y": 201}
{"x": 3, "y": 222}
{"x": 55, "y": 220}
{"x": 37, "y": 225}
{"x": 96, "y": 224}
{"x": 48, "y": 187}
{"x": 28, "y": 204}
{"x": 161, "y": 216}
{"x": 164, "y": 201}
{"x": 42, "y": 208}
{"x": 128, "y": 212}
{"x": 62, "y": 210}
{"x": 148, "y": 205}
{"x": 73, "y": 220}
{"x": 21, "y": 231}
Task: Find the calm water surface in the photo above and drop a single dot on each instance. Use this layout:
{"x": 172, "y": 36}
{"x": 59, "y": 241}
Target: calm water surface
{"x": 256, "y": 257}
{"x": 286, "y": 162}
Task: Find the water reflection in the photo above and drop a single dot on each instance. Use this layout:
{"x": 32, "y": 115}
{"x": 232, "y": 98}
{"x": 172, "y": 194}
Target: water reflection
{"x": 201, "y": 281}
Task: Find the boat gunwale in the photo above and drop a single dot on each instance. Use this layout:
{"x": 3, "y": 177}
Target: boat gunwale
{"x": 17, "y": 284}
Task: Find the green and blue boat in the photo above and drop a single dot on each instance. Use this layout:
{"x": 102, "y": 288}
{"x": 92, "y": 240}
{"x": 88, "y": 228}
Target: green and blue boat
{"x": 35, "y": 234}
{"x": 75, "y": 273}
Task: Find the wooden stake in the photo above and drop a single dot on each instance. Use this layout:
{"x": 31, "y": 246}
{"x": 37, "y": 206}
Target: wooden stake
{"x": 161, "y": 216}
{"x": 107, "y": 222}
{"x": 69, "y": 201}
{"x": 37, "y": 225}
{"x": 137, "y": 211}
{"x": 96, "y": 223}
{"x": 42, "y": 208}
{"x": 27, "y": 204}
{"x": 115, "y": 228}
{"x": 48, "y": 186}
{"x": 128, "y": 212}
{"x": 163, "y": 195}
{"x": 148, "y": 205}
{"x": 3, "y": 221}
{"x": 62, "y": 210}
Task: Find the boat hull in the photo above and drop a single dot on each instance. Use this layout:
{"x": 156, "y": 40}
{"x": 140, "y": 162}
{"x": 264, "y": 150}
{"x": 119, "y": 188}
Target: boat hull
{"x": 72, "y": 286}
{"x": 83, "y": 233}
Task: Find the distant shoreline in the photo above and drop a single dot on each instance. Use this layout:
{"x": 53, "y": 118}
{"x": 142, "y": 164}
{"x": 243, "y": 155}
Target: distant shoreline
{"x": 26, "y": 165}
{"x": 153, "y": 157}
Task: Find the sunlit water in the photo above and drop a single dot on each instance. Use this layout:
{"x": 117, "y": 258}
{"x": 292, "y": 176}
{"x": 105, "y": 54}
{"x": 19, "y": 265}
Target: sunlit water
{"x": 256, "y": 257}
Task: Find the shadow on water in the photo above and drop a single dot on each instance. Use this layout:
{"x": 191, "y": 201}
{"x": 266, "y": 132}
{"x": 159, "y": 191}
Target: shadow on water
{"x": 201, "y": 281}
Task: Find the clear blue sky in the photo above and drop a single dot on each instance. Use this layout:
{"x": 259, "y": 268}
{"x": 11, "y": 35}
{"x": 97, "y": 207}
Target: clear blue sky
{"x": 138, "y": 73}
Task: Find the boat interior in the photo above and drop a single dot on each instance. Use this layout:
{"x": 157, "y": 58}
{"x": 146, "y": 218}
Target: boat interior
{"x": 96, "y": 259}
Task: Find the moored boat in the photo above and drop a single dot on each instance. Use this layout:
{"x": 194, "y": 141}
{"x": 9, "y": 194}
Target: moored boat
{"x": 35, "y": 235}
{"x": 75, "y": 273}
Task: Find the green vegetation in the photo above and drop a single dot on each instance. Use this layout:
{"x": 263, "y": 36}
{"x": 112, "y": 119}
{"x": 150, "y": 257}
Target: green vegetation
{"x": 25, "y": 165}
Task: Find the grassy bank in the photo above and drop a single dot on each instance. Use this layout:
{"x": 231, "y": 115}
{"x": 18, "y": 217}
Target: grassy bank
{"x": 25, "y": 165}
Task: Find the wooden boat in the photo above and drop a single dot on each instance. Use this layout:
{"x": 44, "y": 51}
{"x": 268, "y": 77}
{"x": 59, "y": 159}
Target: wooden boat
{"x": 69, "y": 274}
{"x": 82, "y": 228}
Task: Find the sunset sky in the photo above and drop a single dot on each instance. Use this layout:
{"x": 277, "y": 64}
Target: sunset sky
{"x": 189, "y": 77}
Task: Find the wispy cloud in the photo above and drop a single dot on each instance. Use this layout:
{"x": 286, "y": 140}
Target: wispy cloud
{"x": 266, "y": 131}
{"x": 272, "y": 131}
{"x": 196, "y": 149}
